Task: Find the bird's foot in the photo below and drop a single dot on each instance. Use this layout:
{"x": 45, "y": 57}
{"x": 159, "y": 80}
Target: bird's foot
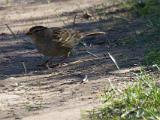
{"x": 52, "y": 66}
{"x": 48, "y": 66}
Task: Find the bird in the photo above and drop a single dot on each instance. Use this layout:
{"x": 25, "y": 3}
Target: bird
{"x": 56, "y": 41}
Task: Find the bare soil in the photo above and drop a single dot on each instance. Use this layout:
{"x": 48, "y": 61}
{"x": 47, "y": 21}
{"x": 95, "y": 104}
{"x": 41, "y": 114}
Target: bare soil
{"x": 28, "y": 92}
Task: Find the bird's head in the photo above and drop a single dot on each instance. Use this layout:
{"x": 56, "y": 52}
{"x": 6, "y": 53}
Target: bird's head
{"x": 34, "y": 30}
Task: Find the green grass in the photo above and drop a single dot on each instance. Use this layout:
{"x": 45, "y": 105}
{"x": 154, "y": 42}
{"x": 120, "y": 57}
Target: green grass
{"x": 140, "y": 101}
{"x": 152, "y": 57}
{"x": 142, "y": 7}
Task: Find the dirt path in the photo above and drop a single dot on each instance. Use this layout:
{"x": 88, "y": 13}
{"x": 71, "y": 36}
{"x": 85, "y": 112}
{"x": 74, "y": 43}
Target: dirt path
{"x": 73, "y": 113}
{"x": 31, "y": 93}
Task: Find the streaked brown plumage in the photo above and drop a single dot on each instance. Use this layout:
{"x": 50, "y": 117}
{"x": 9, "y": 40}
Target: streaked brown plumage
{"x": 56, "y": 41}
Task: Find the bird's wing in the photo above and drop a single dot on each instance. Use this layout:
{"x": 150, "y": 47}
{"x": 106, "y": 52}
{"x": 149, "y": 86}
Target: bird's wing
{"x": 65, "y": 37}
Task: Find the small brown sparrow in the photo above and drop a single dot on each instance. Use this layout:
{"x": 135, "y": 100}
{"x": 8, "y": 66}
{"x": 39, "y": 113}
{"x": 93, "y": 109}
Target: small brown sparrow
{"x": 56, "y": 41}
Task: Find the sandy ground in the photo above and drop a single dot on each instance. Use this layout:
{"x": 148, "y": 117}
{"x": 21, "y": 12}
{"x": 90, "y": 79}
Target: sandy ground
{"x": 31, "y": 93}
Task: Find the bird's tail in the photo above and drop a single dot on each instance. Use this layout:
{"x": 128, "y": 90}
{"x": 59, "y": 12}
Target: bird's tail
{"x": 93, "y": 33}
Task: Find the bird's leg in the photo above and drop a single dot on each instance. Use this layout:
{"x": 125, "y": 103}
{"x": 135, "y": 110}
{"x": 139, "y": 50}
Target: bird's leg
{"x": 46, "y": 63}
{"x": 60, "y": 63}
{"x": 65, "y": 57}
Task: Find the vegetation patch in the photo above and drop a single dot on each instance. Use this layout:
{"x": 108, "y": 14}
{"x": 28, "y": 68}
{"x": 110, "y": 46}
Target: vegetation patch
{"x": 142, "y": 7}
{"x": 140, "y": 100}
{"x": 152, "y": 57}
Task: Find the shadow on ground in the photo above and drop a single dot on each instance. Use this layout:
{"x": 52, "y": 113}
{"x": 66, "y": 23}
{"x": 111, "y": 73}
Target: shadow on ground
{"x": 17, "y": 53}
{"x": 29, "y": 88}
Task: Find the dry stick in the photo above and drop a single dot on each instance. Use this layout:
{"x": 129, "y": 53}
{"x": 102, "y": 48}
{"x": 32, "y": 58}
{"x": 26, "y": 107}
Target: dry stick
{"x": 74, "y": 20}
{"x": 85, "y": 79}
{"x": 25, "y": 68}
{"x": 14, "y": 35}
{"x": 94, "y": 55}
{"x": 111, "y": 56}
{"x": 113, "y": 59}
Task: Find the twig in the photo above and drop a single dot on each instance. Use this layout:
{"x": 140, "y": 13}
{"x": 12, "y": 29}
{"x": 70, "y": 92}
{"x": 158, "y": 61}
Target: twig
{"x": 74, "y": 20}
{"x": 25, "y": 68}
{"x": 113, "y": 59}
{"x": 14, "y": 35}
{"x": 82, "y": 43}
{"x": 94, "y": 55}
{"x": 85, "y": 79}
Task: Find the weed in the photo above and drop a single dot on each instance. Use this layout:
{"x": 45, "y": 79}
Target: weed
{"x": 152, "y": 57}
{"x": 143, "y": 7}
{"x": 141, "y": 100}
